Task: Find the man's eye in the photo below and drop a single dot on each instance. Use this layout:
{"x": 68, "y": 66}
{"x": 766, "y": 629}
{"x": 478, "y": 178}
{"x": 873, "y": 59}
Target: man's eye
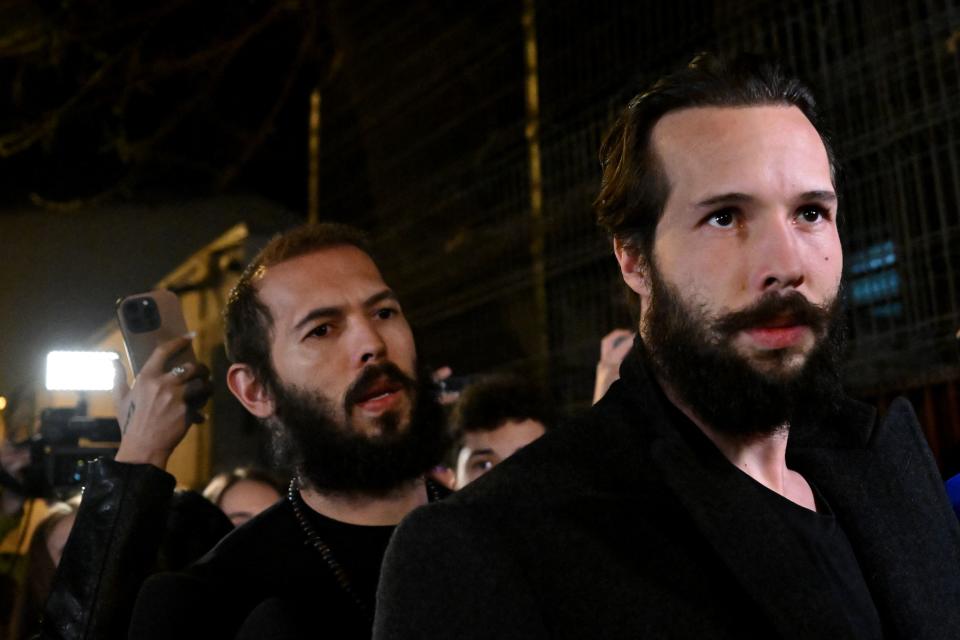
{"x": 386, "y": 313}
{"x": 482, "y": 465}
{"x": 320, "y": 330}
{"x": 812, "y": 214}
{"x": 723, "y": 219}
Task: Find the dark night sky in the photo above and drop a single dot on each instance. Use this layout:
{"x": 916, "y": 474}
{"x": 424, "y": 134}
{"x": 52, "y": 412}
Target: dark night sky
{"x": 210, "y": 101}
{"x": 132, "y": 136}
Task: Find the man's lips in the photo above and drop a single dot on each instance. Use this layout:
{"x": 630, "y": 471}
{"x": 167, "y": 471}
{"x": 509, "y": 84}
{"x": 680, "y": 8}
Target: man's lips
{"x": 380, "y": 403}
{"x": 778, "y": 335}
{"x": 380, "y": 396}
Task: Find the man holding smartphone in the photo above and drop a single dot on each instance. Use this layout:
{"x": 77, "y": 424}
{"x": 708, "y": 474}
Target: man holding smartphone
{"x": 120, "y": 524}
{"x": 323, "y": 355}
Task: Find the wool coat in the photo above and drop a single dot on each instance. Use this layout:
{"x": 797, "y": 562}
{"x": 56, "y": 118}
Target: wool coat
{"x": 630, "y": 524}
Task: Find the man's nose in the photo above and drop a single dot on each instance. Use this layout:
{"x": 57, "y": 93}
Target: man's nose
{"x": 778, "y": 255}
{"x": 368, "y": 345}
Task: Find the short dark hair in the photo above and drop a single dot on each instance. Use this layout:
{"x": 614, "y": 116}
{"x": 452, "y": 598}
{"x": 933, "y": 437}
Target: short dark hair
{"x": 247, "y": 321}
{"x": 633, "y": 190}
{"x": 494, "y": 400}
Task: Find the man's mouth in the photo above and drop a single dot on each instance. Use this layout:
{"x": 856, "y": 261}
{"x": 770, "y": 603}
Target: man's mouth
{"x": 780, "y": 333}
{"x": 379, "y": 396}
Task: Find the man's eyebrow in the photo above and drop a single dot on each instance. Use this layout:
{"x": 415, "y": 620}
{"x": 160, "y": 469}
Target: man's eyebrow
{"x": 386, "y": 294}
{"x": 326, "y": 312}
{"x": 481, "y": 452}
{"x": 313, "y": 314}
{"x": 825, "y": 196}
{"x": 735, "y": 197}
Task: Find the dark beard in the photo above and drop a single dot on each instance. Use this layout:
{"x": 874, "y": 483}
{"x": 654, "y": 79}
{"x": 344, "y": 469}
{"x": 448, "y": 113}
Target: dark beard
{"x": 331, "y": 456}
{"x": 694, "y": 355}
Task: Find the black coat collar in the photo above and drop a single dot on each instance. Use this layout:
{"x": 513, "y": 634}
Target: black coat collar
{"x": 761, "y": 550}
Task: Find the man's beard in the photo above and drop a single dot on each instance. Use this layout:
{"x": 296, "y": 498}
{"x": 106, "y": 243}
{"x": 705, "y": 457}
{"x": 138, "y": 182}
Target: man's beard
{"x": 694, "y": 355}
{"x": 331, "y": 455}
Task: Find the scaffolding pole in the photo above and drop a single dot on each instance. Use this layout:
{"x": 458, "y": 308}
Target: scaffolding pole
{"x": 541, "y": 342}
{"x": 313, "y": 171}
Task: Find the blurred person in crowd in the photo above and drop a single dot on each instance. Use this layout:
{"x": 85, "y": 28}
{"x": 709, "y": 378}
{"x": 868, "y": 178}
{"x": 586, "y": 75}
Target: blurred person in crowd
{"x": 495, "y": 417}
{"x": 614, "y": 347}
{"x": 243, "y": 493}
{"x": 445, "y": 472}
{"x": 13, "y": 460}
{"x": 724, "y": 487}
{"x": 19, "y": 518}
{"x": 322, "y": 354}
{"x": 43, "y": 556}
{"x": 192, "y": 527}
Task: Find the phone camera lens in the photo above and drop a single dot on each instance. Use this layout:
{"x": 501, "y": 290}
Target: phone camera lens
{"x": 141, "y": 315}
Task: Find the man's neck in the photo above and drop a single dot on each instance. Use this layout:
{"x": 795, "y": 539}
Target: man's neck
{"x": 365, "y": 509}
{"x": 762, "y": 457}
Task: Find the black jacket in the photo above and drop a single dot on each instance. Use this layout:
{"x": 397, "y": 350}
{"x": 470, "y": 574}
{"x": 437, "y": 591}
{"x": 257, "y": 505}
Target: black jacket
{"x": 265, "y": 581}
{"x": 111, "y": 550}
{"x": 261, "y": 581}
{"x": 621, "y": 525}
{"x": 130, "y": 524}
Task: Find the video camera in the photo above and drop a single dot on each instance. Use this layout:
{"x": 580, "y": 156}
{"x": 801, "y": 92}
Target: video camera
{"x": 61, "y": 450}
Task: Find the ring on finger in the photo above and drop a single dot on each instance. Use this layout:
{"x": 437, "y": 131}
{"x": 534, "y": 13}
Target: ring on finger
{"x": 178, "y": 371}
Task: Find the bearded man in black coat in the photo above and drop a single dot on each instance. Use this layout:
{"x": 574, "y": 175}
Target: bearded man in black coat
{"x": 323, "y": 355}
{"x": 724, "y": 487}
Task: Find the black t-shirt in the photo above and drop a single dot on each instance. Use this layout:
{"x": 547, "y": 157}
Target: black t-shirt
{"x": 358, "y": 549}
{"x": 835, "y": 561}
{"x": 825, "y": 542}
{"x": 265, "y": 580}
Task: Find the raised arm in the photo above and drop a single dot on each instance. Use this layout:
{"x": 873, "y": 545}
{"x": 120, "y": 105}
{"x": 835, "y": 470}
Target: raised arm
{"x": 614, "y": 347}
{"x": 119, "y": 526}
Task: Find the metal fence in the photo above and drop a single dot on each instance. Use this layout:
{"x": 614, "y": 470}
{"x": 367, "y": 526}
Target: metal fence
{"x": 435, "y": 94}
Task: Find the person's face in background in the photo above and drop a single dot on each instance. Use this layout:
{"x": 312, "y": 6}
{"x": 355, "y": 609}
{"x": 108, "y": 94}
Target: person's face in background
{"x": 246, "y": 498}
{"x": 483, "y": 450}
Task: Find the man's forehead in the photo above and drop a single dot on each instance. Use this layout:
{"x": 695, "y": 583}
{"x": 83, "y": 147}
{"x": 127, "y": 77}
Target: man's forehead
{"x": 702, "y": 124}
{"x": 331, "y": 276}
{"x": 718, "y": 147}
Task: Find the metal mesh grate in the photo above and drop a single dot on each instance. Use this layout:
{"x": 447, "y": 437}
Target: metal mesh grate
{"x": 435, "y": 97}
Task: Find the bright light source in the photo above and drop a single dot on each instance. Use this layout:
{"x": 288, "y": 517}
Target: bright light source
{"x": 3, "y": 403}
{"x": 80, "y": 370}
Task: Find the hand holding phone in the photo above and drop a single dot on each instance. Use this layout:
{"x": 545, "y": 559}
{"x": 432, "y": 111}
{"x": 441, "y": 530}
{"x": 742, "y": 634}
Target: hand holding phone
{"x": 170, "y": 385}
{"x": 155, "y": 414}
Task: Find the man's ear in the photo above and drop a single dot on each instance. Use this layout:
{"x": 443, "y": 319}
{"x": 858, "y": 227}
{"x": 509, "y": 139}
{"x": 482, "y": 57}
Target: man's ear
{"x": 633, "y": 267}
{"x": 249, "y": 391}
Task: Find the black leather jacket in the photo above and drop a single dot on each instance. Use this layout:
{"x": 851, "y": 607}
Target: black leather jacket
{"x": 111, "y": 551}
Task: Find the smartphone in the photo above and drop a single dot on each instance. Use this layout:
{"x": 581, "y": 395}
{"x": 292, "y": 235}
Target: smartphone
{"x": 150, "y": 319}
